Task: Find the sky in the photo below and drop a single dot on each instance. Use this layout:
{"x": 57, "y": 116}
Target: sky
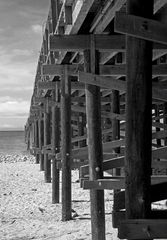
{"x": 21, "y": 27}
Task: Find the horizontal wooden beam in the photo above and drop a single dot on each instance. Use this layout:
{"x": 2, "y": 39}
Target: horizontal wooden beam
{"x": 143, "y": 229}
{"x": 159, "y": 125}
{"x": 105, "y": 70}
{"x": 117, "y": 183}
{"x": 82, "y": 42}
{"x": 52, "y": 85}
{"x": 82, "y": 153}
{"x": 158, "y": 193}
{"x": 106, "y": 82}
{"x": 107, "y": 164}
{"x": 119, "y": 216}
{"x": 141, "y": 27}
{"x": 159, "y": 134}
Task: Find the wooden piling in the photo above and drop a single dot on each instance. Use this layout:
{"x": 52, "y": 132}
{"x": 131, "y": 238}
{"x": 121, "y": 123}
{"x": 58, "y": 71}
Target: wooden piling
{"x": 36, "y": 140}
{"x": 66, "y": 145}
{"x": 55, "y": 145}
{"x": 41, "y": 141}
{"x": 95, "y": 153}
{"x": 138, "y": 117}
{"x": 47, "y": 161}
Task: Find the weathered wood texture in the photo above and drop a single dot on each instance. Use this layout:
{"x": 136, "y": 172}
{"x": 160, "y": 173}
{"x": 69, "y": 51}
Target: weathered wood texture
{"x": 41, "y": 142}
{"x": 47, "y": 161}
{"x": 66, "y": 145}
{"x": 138, "y": 118}
{"x": 95, "y": 154}
{"x": 55, "y": 146}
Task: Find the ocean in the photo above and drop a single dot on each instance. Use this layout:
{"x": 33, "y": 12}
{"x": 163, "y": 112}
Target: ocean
{"x": 12, "y": 142}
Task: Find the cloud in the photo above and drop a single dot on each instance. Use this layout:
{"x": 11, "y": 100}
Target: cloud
{"x": 20, "y": 44}
{"x": 37, "y": 29}
{"x": 22, "y": 52}
{"x": 14, "y": 108}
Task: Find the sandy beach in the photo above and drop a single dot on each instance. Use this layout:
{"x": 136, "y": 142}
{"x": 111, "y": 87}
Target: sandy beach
{"x": 26, "y": 210}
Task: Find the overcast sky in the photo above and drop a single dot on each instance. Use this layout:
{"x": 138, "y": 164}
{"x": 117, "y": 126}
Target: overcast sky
{"x": 21, "y": 24}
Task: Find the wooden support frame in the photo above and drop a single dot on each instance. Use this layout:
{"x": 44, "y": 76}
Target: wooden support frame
{"x": 113, "y": 83}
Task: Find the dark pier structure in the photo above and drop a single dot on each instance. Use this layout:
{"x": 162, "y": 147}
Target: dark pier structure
{"x": 100, "y": 105}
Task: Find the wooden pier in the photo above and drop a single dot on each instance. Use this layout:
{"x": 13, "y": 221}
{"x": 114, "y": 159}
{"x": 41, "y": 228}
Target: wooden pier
{"x": 100, "y": 105}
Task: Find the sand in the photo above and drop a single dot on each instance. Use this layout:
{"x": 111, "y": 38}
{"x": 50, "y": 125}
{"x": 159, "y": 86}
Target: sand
{"x": 26, "y": 210}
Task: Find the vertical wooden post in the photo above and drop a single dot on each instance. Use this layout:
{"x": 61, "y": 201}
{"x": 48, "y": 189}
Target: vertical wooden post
{"x": 81, "y": 126}
{"x": 95, "y": 153}
{"x": 55, "y": 145}
{"x": 115, "y": 136}
{"x": 138, "y": 118}
{"x": 157, "y": 120}
{"x": 47, "y": 161}
{"x": 41, "y": 141}
{"x": 165, "y": 120}
{"x": 36, "y": 141}
{"x": 66, "y": 144}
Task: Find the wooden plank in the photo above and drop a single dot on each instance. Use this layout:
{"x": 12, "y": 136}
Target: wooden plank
{"x": 158, "y": 193}
{"x": 117, "y": 183}
{"x": 141, "y": 27}
{"x": 107, "y": 164}
{"x": 105, "y": 70}
{"x": 106, "y": 82}
{"x": 158, "y": 4}
{"x": 82, "y": 153}
{"x": 104, "y": 184}
{"x": 82, "y": 42}
{"x": 159, "y": 125}
{"x": 79, "y": 14}
{"x": 159, "y": 94}
{"x": 66, "y": 145}
{"x": 57, "y": 69}
{"x": 143, "y": 229}
{"x": 46, "y": 85}
{"x": 78, "y": 109}
{"x": 159, "y": 134}
{"x": 119, "y": 162}
{"x": 160, "y": 153}
{"x": 113, "y": 115}
{"x": 119, "y": 216}
{"x": 51, "y": 85}
{"x": 108, "y": 16}
{"x": 159, "y": 70}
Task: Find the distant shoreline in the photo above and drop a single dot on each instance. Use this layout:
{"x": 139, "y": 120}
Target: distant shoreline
{"x": 11, "y": 130}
